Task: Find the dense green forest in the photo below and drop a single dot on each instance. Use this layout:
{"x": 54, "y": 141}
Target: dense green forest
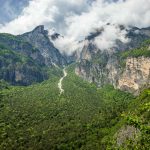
{"x": 83, "y": 117}
{"x": 133, "y": 129}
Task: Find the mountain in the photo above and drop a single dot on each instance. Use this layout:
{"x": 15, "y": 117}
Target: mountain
{"x": 132, "y": 131}
{"x": 39, "y": 38}
{"x": 20, "y": 62}
{"x": 129, "y": 73}
{"x": 105, "y": 100}
{"x": 95, "y": 65}
{"x": 25, "y": 59}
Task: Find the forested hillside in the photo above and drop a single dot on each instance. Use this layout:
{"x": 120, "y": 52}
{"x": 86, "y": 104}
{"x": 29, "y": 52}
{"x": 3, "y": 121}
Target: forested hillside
{"x": 20, "y": 62}
{"x": 37, "y": 117}
{"x": 133, "y": 129}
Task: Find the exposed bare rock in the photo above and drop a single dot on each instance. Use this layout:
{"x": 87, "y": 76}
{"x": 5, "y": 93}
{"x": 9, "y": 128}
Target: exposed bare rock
{"x": 136, "y": 74}
{"x": 104, "y": 66}
{"x": 127, "y": 133}
{"x": 39, "y": 38}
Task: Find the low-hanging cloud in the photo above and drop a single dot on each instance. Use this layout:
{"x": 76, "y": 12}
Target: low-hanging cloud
{"x": 68, "y": 45}
{"x": 51, "y": 13}
{"x": 111, "y": 33}
{"x": 75, "y": 19}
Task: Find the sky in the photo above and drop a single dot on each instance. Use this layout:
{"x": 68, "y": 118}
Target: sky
{"x": 74, "y": 19}
{"x": 10, "y": 9}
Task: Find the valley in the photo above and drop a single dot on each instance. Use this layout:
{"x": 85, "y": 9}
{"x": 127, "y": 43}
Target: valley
{"x": 38, "y": 117}
{"x": 92, "y": 100}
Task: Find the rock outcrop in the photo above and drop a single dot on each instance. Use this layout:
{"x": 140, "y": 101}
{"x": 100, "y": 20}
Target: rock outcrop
{"x": 11, "y": 42}
{"x": 20, "y": 62}
{"x": 39, "y": 38}
{"x": 105, "y": 67}
{"x": 135, "y": 75}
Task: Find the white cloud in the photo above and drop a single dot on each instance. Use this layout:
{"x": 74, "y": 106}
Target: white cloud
{"x": 108, "y": 37}
{"x": 75, "y": 19}
{"x": 129, "y": 12}
{"x": 67, "y": 45}
{"x": 48, "y": 12}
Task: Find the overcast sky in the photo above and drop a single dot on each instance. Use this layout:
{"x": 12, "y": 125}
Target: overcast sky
{"x": 80, "y": 16}
{"x": 10, "y": 9}
{"x": 72, "y": 18}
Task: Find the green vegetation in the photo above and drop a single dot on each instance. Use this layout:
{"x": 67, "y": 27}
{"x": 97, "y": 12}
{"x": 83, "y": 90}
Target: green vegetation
{"x": 14, "y": 56}
{"x": 143, "y": 51}
{"x": 100, "y": 58}
{"x": 146, "y": 42}
{"x": 3, "y": 85}
{"x": 12, "y": 42}
{"x": 12, "y": 62}
{"x": 9, "y": 36}
{"x": 37, "y": 117}
{"x": 135, "y": 53}
{"x": 136, "y": 118}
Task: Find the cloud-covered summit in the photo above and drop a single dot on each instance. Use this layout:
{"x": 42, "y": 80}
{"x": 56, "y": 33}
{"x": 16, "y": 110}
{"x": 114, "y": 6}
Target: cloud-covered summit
{"x": 75, "y": 19}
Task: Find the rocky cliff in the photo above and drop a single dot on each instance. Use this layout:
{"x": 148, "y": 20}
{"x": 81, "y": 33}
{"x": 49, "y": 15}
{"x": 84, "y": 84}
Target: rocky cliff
{"x": 136, "y": 74}
{"x": 39, "y": 39}
{"x": 18, "y": 69}
{"x": 20, "y": 62}
{"x": 25, "y": 59}
{"x": 18, "y": 45}
{"x": 127, "y": 70}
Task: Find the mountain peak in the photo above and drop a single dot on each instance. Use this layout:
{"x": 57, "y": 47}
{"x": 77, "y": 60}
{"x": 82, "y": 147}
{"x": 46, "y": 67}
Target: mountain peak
{"x": 40, "y": 29}
{"x": 39, "y": 38}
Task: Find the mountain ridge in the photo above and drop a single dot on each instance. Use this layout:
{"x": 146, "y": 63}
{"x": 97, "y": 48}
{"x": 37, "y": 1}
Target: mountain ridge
{"x": 39, "y": 38}
{"x": 93, "y": 64}
{"x": 91, "y": 113}
{"x": 104, "y": 66}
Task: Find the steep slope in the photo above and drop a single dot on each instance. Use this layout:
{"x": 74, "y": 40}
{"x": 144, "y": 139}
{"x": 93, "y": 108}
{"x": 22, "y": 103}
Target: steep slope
{"x": 135, "y": 65}
{"x": 16, "y": 44}
{"x": 20, "y": 62}
{"x": 39, "y": 38}
{"x": 133, "y": 130}
{"x": 105, "y": 67}
{"x": 128, "y": 70}
{"x": 18, "y": 69}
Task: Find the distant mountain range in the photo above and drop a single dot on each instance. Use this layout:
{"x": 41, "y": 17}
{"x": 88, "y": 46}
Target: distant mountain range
{"x": 25, "y": 58}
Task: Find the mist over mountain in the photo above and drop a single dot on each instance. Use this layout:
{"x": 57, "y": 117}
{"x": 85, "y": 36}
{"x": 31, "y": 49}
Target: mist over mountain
{"x": 77, "y": 19}
{"x": 75, "y": 75}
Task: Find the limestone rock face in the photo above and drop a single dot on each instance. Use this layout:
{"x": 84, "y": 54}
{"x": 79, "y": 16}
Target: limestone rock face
{"x": 20, "y": 62}
{"x": 132, "y": 78}
{"x": 104, "y": 67}
{"x": 135, "y": 75}
{"x": 102, "y": 73}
